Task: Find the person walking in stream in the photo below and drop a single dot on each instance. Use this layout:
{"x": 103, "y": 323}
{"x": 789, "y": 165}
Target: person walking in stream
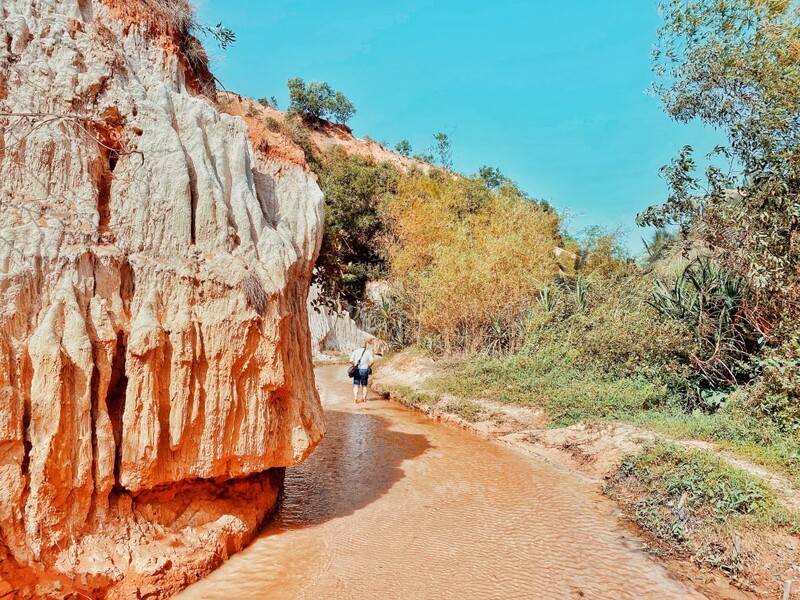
{"x": 362, "y": 359}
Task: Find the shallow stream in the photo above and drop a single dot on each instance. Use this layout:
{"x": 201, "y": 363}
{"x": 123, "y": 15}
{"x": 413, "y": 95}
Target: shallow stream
{"x": 392, "y": 505}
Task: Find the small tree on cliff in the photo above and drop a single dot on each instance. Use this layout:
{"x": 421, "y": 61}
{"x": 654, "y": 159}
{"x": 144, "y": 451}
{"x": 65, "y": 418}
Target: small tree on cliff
{"x": 444, "y": 150}
{"x": 317, "y": 100}
{"x": 403, "y": 147}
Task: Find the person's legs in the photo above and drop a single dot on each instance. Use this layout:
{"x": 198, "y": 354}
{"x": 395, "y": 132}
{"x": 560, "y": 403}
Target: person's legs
{"x": 355, "y": 392}
{"x": 364, "y": 382}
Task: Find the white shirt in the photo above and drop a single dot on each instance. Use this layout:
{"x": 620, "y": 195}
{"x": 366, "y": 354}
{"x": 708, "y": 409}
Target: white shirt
{"x": 365, "y": 361}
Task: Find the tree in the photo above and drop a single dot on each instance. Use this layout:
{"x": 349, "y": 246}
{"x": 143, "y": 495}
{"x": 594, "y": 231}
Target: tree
{"x": 444, "y": 150}
{"x": 403, "y": 147}
{"x": 341, "y": 109}
{"x": 351, "y": 250}
{"x": 317, "y": 100}
{"x": 735, "y": 65}
{"x": 491, "y": 177}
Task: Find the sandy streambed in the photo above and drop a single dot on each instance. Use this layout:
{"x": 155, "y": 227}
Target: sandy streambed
{"x": 392, "y": 505}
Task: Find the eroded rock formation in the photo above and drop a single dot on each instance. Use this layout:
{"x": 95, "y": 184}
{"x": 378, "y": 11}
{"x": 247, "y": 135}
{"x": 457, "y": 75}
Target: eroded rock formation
{"x": 155, "y": 360}
{"x": 335, "y": 330}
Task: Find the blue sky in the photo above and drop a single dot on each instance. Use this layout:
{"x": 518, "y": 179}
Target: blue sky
{"x": 554, "y": 94}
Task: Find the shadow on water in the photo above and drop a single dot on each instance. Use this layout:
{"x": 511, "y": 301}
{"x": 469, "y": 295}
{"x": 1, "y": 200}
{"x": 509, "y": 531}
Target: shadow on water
{"x": 355, "y": 464}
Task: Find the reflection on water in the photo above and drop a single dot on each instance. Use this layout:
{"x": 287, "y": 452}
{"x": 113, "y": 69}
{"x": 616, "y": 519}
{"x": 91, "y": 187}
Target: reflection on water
{"x": 391, "y": 505}
{"x": 357, "y": 462}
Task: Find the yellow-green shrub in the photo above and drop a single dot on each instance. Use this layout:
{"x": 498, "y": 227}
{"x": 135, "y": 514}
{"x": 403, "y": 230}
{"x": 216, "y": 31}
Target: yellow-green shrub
{"x": 472, "y": 259}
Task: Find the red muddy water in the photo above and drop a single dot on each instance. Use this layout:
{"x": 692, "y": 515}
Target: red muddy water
{"x": 392, "y": 505}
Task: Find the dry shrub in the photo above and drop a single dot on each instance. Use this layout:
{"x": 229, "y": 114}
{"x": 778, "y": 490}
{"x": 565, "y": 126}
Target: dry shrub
{"x": 174, "y": 20}
{"x": 471, "y": 259}
{"x": 176, "y": 15}
{"x": 254, "y": 293}
{"x": 195, "y": 53}
{"x": 160, "y": 16}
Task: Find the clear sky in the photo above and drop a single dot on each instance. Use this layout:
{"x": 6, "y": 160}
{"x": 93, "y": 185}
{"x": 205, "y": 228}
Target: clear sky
{"x": 554, "y": 94}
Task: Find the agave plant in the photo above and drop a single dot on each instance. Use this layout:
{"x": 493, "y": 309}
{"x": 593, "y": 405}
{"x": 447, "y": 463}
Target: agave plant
{"x": 388, "y": 319}
{"x": 546, "y": 299}
{"x": 710, "y": 302}
{"x": 581, "y": 293}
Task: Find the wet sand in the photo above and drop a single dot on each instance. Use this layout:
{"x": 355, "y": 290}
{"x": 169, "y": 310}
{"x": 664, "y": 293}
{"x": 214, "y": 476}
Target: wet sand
{"x": 392, "y": 505}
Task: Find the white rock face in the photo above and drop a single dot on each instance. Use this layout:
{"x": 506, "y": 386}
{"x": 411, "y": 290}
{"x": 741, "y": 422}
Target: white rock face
{"x": 332, "y": 330}
{"x": 154, "y": 272}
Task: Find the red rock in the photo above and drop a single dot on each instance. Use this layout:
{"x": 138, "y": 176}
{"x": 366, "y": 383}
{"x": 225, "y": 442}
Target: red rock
{"x": 155, "y": 361}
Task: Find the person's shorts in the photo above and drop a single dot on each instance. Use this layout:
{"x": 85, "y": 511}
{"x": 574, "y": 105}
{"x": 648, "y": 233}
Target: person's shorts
{"x": 362, "y": 378}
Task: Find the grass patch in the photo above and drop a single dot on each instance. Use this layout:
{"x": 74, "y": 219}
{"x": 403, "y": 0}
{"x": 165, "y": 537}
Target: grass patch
{"x": 570, "y": 394}
{"x": 734, "y": 429}
{"x": 697, "y": 506}
{"x": 411, "y": 398}
{"x": 470, "y": 411}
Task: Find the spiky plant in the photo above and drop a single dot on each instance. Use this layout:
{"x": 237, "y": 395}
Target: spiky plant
{"x": 581, "y": 293}
{"x": 710, "y": 303}
{"x": 546, "y": 299}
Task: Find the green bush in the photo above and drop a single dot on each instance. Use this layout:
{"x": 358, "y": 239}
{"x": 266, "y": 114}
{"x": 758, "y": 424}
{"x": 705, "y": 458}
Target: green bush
{"x": 776, "y": 395}
{"x": 272, "y": 124}
{"x": 403, "y": 147}
{"x": 710, "y": 484}
{"x": 317, "y": 100}
{"x": 608, "y": 325}
{"x": 351, "y": 252}
{"x": 700, "y": 507}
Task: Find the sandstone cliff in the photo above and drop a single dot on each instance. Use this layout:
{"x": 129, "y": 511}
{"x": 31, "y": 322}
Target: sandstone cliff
{"x": 155, "y": 259}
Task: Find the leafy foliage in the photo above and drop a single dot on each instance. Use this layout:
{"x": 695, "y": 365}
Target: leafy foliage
{"x": 224, "y": 36}
{"x": 776, "y": 396}
{"x": 403, "y": 148}
{"x": 735, "y": 64}
{"x": 470, "y": 258}
{"x": 492, "y": 177}
{"x": 351, "y": 245}
{"x": 317, "y": 100}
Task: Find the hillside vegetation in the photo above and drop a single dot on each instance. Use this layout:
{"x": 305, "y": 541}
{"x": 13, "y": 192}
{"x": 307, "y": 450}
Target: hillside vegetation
{"x": 704, "y": 328}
